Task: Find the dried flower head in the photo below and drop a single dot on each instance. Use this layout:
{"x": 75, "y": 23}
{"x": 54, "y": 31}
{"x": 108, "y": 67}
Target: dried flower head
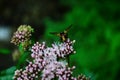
{"x": 22, "y": 34}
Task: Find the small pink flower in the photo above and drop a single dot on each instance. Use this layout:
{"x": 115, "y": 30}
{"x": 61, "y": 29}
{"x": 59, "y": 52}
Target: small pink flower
{"x": 22, "y": 34}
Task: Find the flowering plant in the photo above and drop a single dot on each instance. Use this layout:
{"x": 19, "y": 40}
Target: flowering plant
{"x": 48, "y": 63}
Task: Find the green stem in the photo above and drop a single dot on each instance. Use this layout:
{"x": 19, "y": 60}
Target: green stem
{"x": 68, "y": 59}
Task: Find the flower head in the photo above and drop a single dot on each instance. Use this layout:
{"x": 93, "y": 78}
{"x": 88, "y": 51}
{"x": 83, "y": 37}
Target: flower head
{"x": 30, "y": 73}
{"x": 64, "y": 49}
{"x": 22, "y": 34}
{"x": 46, "y": 61}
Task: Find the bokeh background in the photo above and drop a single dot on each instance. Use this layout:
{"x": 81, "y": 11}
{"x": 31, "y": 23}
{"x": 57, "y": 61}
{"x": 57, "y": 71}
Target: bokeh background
{"x": 96, "y": 29}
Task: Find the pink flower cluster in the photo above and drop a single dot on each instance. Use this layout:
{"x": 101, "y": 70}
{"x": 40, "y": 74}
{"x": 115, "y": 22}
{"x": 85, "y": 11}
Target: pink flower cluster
{"x": 22, "y": 34}
{"x": 64, "y": 49}
{"x": 46, "y": 61}
{"x": 30, "y": 73}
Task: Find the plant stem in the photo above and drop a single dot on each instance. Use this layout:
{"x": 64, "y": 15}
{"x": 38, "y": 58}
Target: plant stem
{"x": 68, "y": 59}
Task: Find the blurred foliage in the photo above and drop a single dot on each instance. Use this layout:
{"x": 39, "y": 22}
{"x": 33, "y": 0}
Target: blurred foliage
{"x": 7, "y": 74}
{"x": 96, "y": 29}
{"x": 17, "y": 12}
{"x": 4, "y": 51}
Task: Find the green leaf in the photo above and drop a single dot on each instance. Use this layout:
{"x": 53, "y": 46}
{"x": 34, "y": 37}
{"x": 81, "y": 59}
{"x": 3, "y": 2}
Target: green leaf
{"x": 4, "y": 51}
{"x": 7, "y": 74}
